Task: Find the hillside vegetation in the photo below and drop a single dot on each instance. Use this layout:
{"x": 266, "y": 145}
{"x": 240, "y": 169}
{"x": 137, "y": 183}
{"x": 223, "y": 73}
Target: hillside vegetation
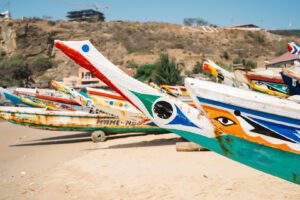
{"x": 130, "y": 42}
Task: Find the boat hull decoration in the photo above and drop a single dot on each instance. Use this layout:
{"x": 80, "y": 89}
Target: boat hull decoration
{"x": 177, "y": 117}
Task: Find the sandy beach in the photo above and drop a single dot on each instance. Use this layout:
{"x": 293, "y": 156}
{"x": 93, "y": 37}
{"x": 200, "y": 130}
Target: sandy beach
{"x": 40, "y": 164}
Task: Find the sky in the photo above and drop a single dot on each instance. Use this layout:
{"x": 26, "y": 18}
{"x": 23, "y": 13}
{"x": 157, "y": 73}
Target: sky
{"x": 268, "y": 14}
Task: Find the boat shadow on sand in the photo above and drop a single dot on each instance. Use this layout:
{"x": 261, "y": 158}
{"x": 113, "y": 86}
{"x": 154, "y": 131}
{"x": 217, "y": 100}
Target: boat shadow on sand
{"x": 85, "y": 137}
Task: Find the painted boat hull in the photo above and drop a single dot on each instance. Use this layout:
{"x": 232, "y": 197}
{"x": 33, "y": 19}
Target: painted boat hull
{"x": 292, "y": 84}
{"x": 269, "y": 136}
{"x": 177, "y": 117}
{"x": 53, "y": 103}
{"x": 73, "y": 121}
{"x": 276, "y": 87}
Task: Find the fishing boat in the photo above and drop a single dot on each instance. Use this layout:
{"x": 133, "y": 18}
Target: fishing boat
{"x": 186, "y": 121}
{"x": 50, "y": 102}
{"x": 293, "y": 48}
{"x": 16, "y": 100}
{"x": 263, "y": 128}
{"x": 265, "y": 81}
{"x": 268, "y": 82}
{"x": 100, "y": 125}
{"x": 291, "y": 77}
{"x": 113, "y": 107}
{"x": 221, "y": 74}
{"x": 103, "y": 93}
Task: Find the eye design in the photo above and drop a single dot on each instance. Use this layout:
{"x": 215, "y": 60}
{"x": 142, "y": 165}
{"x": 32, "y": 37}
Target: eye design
{"x": 225, "y": 121}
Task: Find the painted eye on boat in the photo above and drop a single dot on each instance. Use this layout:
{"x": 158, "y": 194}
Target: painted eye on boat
{"x": 225, "y": 121}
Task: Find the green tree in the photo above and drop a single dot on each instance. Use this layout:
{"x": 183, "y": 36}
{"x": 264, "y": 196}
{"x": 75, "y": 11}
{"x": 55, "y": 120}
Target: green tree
{"x": 166, "y": 71}
{"x": 15, "y": 71}
{"x": 225, "y": 55}
{"x": 40, "y": 64}
{"x": 197, "y": 68}
{"x": 144, "y": 72}
{"x": 201, "y": 22}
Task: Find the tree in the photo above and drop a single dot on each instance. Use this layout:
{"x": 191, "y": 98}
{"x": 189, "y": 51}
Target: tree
{"x": 144, "y": 72}
{"x": 166, "y": 71}
{"x": 197, "y": 68}
{"x": 40, "y": 64}
{"x": 15, "y": 71}
{"x": 225, "y": 55}
{"x": 201, "y": 22}
{"x": 188, "y": 21}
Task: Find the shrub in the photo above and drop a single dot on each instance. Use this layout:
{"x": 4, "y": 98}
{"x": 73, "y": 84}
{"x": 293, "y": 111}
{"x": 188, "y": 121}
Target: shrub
{"x": 40, "y": 64}
{"x": 280, "y": 47}
{"x": 247, "y": 63}
{"x": 131, "y": 64}
{"x": 144, "y": 72}
{"x": 15, "y": 72}
{"x": 225, "y": 55}
{"x": 51, "y": 23}
{"x": 179, "y": 45}
{"x": 166, "y": 72}
{"x": 258, "y": 36}
{"x": 197, "y": 68}
{"x": 188, "y": 73}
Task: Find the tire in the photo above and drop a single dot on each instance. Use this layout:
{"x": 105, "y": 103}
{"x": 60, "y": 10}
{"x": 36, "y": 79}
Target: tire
{"x": 98, "y": 136}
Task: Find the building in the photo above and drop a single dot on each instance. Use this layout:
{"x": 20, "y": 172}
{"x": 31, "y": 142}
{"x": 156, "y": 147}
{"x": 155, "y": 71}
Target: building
{"x": 85, "y": 15}
{"x": 4, "y": 16}
{"x": 284, "y": 60}
{"x": 86, "y": 78}
{"x": 248, "y": 27}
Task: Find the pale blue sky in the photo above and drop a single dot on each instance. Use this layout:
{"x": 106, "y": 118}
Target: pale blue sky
{"x": 269, "y": 14}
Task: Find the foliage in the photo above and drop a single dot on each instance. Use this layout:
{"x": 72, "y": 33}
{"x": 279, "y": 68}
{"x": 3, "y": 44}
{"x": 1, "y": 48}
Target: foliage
{"x": 144, "y": 72}
{"x": 197, "y": 22}
{"x": 226, "y": 55}
{"x": 201, "y": 22}
{"x": 40, "y": 64}
{"x": 224, "y": 66}
{"x": 188, "y": 73}
{"x": 166, "y": 72}
{"x": 248, "y": 63}
{"x": 251, "y": 64}
{"x": 189, "y": 21}
{"x": 51, "y": 23}
{"x": 197, "y": 68}
{"x": 258, "y": 36}
{"x": 131, "y": 64}
{"x": 179, "y": 44}
{"x": 280, "y": 47}
{"x": 15, "y": 71}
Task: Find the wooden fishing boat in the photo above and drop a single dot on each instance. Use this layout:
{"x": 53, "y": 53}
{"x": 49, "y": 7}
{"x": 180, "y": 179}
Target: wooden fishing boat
{"x": 113, "y": 107}
{"x": 104, "y": 93}
{"x": 16, "y": 100}
{"x": 50, "y": 102}
{"x": 100, "y": 124}
{"x": 291, "y": 77}
{"x": 261, "y": 81}
{"x": 263, "y": 128}
{"x": 268, "y": 82}
{"x": 221, "y": 74}
{"x": 175, "y": 116}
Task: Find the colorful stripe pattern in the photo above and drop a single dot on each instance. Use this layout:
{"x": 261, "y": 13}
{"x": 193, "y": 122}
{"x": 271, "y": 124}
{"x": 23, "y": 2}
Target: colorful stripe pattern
{"x": 293, "y": 48}
{"x": 175, "y": 116}
{"x": 73, "y": 121}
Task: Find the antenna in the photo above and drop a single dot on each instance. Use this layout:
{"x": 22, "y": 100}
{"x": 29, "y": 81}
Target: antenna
{"x": 290, "y": 24}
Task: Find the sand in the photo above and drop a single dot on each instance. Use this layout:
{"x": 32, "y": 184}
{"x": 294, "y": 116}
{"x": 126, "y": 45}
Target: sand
{"x": 39, "y": 164}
